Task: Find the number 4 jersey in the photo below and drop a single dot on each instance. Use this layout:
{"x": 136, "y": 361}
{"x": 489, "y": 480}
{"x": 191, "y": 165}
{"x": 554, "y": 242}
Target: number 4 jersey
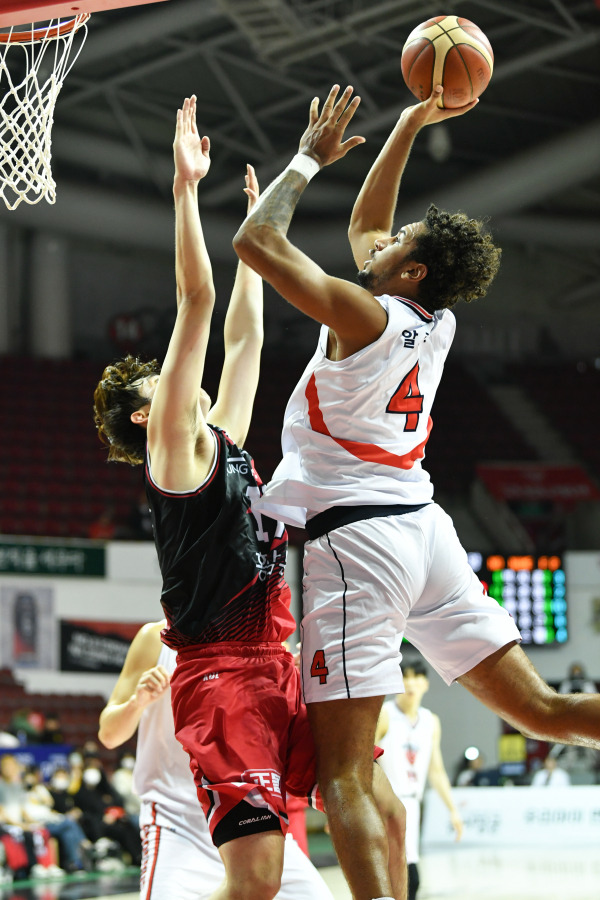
{"x": 355, "y": 430}
{"x": 222, "y": 566}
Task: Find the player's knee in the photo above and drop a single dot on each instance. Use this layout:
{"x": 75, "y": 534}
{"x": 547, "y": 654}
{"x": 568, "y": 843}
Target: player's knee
{"x": 263, "y": 875}
{"x": 342, "y": 787}
{"x": 256, "y": 883}
{"x": 393, "y": 814}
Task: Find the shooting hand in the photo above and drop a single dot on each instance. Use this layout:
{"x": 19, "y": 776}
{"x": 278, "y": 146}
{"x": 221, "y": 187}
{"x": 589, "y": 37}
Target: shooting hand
{"x": 323, "y": 138}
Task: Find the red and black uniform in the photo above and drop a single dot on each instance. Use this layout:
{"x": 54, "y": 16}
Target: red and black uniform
{"x": 235, "y": 691}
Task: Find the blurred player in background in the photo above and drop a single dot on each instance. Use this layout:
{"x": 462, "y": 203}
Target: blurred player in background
{"x": 179, "y": 859}
{"x": 410, "y": 736}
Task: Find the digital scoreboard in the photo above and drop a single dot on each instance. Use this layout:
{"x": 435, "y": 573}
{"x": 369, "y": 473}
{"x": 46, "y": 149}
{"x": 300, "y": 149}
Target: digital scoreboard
{"x": 531, "y": 589}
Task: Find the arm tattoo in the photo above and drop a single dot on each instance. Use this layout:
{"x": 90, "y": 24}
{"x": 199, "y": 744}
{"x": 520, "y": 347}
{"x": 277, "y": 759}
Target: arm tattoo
{"x": 276, "y": 206}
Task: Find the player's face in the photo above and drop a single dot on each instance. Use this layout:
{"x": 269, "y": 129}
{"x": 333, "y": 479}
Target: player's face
{"x": 146, "y": 386}
{"x": 415, "y": 686}
{"x": 388, "y": 258}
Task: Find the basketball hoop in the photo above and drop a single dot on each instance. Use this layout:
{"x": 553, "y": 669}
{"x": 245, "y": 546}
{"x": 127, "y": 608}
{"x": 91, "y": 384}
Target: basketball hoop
{"x": 41, "y": 58}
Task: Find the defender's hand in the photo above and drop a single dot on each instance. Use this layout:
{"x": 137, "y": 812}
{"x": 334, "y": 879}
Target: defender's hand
{"x": 192, "y": 152}
{"x": 251, "y": 190}
{"x": 323, "y": 138}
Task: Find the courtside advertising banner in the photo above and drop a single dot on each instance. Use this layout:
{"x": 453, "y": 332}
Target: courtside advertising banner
{"x": 515, "y": 816}
{"x": 89, "y": 646}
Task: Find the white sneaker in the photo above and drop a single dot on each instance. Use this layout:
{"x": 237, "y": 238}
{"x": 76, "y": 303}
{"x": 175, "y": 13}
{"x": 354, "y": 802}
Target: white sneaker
{"x": 40, "y": 871}
{"x": 55, "y": 872}
{"x": 37, "y": 871}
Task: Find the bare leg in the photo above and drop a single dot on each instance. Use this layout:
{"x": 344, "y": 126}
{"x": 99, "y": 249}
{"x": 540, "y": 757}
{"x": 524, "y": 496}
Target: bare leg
{"x": 253, "y": 867}
{"x": 508, "y": 684}
{"x": 344, "y": 734}
{"x": 393, "y": 815}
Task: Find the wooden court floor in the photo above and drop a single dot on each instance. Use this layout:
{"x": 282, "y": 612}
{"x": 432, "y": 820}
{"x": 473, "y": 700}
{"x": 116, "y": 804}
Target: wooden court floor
{"x": 502, "y": 873}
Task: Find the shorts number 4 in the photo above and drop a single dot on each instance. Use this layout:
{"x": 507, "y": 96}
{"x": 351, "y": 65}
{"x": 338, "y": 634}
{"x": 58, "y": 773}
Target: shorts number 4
{"x": 319, "y": 668}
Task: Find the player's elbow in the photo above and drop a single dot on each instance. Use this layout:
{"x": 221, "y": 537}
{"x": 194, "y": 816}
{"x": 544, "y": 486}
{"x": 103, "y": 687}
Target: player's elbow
{"x": 105, "y": 737}
{"x": 252, "y": 243}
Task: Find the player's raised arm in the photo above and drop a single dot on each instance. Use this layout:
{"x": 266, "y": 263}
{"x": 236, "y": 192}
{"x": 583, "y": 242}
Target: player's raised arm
{"x": 140, "y": 683}
{"x": 373, "y": 213}
{"x": 179, "y": 441}
{"x": 262, "y": 242}
{"x": 243, "y": 336}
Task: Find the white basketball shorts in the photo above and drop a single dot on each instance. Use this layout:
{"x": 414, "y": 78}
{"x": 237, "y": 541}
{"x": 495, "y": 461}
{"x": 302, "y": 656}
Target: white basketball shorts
{"x": 368, "y": 583}
{"x": 180, "y": 861}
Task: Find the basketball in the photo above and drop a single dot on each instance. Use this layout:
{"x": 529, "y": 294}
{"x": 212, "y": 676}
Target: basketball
{"x": 450, "y": 51}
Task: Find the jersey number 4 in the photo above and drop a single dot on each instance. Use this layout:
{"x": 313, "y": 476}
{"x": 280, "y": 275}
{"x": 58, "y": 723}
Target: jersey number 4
{"x": 319, "y": 669}
{"x": 408, "y": 399}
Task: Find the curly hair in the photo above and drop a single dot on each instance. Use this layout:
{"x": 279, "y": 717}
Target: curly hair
{"x": 461, "y": 259}
{"x": 115, "y": 399}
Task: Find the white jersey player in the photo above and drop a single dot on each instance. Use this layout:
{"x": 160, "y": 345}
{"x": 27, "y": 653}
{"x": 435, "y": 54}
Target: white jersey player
{"x": 179, "y": 860}
{"x": 346, "y": 447}
{"x": 382, "y": 559}
{"x": 410, "y": 736}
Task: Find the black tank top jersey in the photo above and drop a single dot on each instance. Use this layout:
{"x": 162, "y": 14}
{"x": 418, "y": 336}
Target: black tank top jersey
{"x": 222, "y": 568}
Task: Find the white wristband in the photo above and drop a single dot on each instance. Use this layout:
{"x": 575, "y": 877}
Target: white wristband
{"x": 305, "y": 165}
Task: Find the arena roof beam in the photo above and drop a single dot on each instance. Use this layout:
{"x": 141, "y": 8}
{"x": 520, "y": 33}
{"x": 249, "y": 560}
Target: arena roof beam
{"x": 498, "y": 191}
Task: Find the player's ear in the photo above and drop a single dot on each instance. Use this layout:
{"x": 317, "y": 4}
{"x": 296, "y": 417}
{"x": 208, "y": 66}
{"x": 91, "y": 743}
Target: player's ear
{"x": 140, "y": 416}
{"x": 414, "y": 271}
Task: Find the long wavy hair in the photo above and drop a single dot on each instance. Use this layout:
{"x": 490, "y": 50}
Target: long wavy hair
{"x": 116, "y": 397}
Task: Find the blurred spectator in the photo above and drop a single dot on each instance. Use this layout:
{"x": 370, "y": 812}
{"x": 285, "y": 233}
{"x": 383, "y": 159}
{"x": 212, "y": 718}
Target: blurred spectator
{"x": 7, "y": 739}
{"x": 103, "y": 528}
{"x": 74, "y": 848}
{"x": 577, "y": 681}
{"x": 26, "y": 842}
{"x": 76, "y": 769}
{"x": 90, "y": 747}
{"x": 27, "y": 725}
{"x": 579, "y": 762}
{"x": 62, "y": 796}
{"x": 122, "y": 781}
{"x": 103, "y": 810}
{"x": 551, "y": 775}
{"x": 470, "y": 765}
{"x": 52, "y": 733}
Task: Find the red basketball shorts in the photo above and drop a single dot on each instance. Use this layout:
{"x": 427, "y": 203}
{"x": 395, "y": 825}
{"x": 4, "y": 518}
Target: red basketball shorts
{"x": 239, "y": 715}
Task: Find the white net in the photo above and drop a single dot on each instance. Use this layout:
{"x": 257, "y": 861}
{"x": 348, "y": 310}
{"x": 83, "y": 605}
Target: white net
{"x": 40, "y": 59}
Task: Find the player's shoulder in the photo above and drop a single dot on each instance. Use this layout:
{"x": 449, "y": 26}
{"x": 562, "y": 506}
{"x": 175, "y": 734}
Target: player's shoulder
{"x": 148, "y": 636}
{"x": 433, "y": 717}
{"x": 401, "y": 308}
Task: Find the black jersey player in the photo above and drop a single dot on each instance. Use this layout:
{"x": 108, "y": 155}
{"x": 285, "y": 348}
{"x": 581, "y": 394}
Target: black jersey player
{"x": 235, "y": 691}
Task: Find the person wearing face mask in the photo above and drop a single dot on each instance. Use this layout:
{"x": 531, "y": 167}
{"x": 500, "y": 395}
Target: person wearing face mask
{"x": 103, "y": 810}
{"x": 75, "y": 769}
{"x": 60, "y": 784}
{"x": 75, "y": 850}
{"x": 122, "y": 781}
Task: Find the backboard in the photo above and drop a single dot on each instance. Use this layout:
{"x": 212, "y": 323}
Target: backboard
{"x": 20, "y": 12}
